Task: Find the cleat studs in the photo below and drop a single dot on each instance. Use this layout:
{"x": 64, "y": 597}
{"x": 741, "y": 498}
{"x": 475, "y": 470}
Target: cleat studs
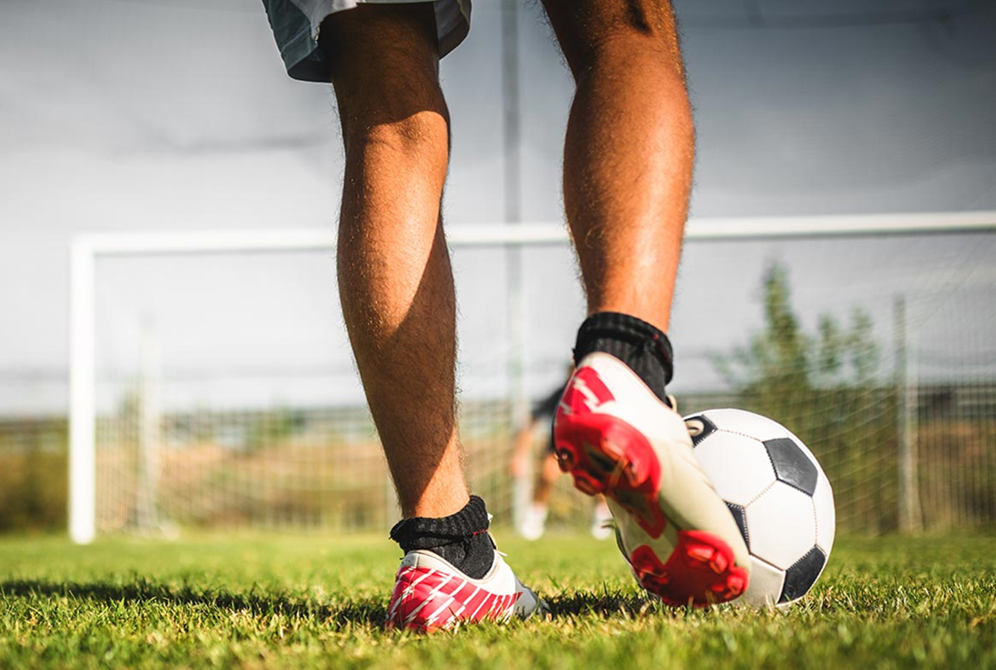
{"x": 655, "y": 582}
{"x": 736, "y": 585}
{"x": 700, "y": 553}
{"x": 719, "y": 563}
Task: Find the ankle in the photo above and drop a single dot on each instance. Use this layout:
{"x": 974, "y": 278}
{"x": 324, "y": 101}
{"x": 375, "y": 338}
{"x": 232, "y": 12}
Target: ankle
{"x": 640, "y": 345}
{"x": 460, "y": 538}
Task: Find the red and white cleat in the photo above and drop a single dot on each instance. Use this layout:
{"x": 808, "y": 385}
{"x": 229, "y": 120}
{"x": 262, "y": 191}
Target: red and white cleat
{"x": 431, "y": 594}
{"x": 617, "y": 438}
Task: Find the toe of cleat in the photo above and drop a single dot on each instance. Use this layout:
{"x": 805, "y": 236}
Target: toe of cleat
{"x": 699, "y": 572}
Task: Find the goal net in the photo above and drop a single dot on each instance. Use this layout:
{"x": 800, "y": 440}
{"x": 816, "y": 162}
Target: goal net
{"x": 213, "y": 384}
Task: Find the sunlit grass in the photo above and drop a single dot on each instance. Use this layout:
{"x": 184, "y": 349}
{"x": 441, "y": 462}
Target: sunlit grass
{"x": 295, "y": 601}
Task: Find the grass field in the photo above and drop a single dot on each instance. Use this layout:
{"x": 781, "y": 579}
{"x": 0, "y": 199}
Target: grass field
{"x": 293, "y": 601}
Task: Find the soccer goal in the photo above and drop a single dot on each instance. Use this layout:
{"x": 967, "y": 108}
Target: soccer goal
{"x": 212, "y": 383}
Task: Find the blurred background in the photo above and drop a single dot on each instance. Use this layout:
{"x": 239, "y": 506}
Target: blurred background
{"x": 223, "y": 391}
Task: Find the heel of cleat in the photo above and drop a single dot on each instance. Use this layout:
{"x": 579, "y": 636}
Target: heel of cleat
{"x": 606, "y": 455}
{"x": 700, "y": 571}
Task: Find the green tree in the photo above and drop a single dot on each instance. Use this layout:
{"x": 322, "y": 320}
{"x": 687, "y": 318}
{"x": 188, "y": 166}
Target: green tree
{"x": 782, "y": 360}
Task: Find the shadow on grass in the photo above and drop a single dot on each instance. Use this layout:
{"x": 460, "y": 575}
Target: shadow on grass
{"x": 369, "y": 611}
{"x": 363, "y": 611}
{"x": 604, "y": 604}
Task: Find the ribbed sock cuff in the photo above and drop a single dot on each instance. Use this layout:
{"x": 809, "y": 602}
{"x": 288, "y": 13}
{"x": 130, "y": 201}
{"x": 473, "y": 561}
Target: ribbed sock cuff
{"x": 460, "y": 538}
{"x": 640, "y": 345}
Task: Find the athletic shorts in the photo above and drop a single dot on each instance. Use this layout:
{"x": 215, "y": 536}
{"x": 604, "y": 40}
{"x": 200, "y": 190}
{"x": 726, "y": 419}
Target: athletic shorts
{"x": 295, "y": 25}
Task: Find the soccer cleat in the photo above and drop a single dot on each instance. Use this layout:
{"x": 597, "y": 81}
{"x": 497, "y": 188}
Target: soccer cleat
{"x": 430, "y": 594}
{"x": 615, "y": 437}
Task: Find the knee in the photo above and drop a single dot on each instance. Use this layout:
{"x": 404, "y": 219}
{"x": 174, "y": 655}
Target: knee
{"x": 385, "y": 74}
{"x": 637, "y": 34}
{"x": 418, "y": 137}
{"x": 397, "y": 108}
{"x": 639, "y": 55}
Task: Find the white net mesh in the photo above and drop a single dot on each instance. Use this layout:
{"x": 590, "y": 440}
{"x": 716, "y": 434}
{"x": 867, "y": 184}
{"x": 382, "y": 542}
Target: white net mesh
{"x": 226, "y": 395}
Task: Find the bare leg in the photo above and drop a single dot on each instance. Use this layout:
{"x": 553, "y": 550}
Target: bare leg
{"x": 629, "y": 151}
{"x": 394, "y": 270}
{"x": 549, "y": 472}
{"x": 627, "y": 176}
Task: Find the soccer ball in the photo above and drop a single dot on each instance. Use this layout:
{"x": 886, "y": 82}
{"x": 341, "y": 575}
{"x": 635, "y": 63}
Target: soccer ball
{"x": 778, "y": 494}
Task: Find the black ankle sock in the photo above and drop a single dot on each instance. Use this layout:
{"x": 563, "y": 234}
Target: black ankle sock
{"x": 638, "y": 344}
{"x": 461, "y": 538}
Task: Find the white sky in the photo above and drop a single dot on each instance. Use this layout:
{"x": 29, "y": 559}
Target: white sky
{"x": 175, "y": 114}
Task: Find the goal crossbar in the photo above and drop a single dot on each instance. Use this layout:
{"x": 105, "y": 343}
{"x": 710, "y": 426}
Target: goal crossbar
{"x": 791, "y": 227}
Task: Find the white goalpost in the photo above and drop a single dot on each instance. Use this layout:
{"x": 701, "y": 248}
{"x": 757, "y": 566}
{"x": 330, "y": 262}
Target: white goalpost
{"x": 90, "y": 250}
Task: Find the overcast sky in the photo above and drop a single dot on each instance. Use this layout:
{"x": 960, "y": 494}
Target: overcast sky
{"x": 176, "y": 114}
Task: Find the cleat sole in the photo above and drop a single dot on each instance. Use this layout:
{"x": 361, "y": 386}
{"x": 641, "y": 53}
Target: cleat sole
{"x": 700, "y": 571}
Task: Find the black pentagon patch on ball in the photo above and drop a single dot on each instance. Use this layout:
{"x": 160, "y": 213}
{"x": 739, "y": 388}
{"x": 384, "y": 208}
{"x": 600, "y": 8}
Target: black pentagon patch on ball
{"x": 740, "y": 516}
{"x": 699, "y": 428}
{"x": 802, "y": 575}
{"x": 792, "y": 465}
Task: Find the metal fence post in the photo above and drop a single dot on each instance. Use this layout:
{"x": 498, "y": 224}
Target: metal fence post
{"x": 910, "y": 518}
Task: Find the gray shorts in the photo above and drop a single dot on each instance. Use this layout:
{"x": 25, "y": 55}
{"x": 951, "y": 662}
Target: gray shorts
{"x": 295, "y": 25}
